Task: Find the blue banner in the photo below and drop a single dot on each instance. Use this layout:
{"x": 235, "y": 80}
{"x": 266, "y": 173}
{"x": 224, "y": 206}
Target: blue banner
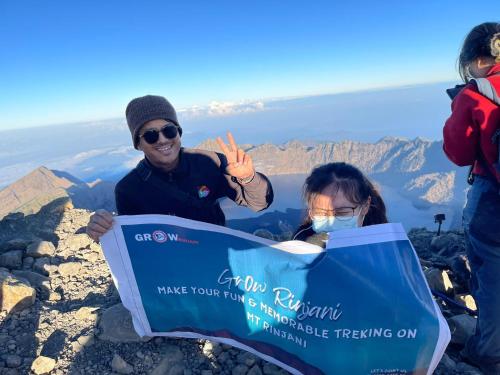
{"x": 362, "y": 306}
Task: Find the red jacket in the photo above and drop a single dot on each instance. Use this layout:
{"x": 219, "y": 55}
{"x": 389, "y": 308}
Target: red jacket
{"x": 473, "y": 121}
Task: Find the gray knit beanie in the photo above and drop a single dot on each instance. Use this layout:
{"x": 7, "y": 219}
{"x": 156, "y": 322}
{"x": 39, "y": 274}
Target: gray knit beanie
{"x": 147, "y": 108}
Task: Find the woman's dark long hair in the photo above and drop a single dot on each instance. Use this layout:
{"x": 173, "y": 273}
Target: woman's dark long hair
{"x": 482, "y": 41}
{"x": 352, "y": 182}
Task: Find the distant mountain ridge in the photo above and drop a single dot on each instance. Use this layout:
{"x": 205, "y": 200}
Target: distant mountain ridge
{"x": 413, "y": 171}
{"x": 42, "y": 186}
{"x": 418, "y": 168}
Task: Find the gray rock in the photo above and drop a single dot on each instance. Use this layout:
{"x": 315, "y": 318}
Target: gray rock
{"x": 255, "y": 370}
{"x": 171, "y": 363}
{"x": 86, "y": 340}
{"x": 269, "y": 369}
{"x": 15, "y": 244}
{"x": 446, "y": 365}
{"x": 116, "y": 326}
{"x": 28, "y": 263}
{"x": 86, "y": 313}
{"x": 467, "y": 300}
{"x": 12, "y": 259}
{"x": 13, "y": 361}
{"x": 465, "y": 369}
{"x": 207, "y": 348}
{"x": 77, "y": 242}
{"x": 223, "y": 357}
{"x": 460, "y": 267}
{"x": 42, "y": 266}
{"x": 246, "y": 358}
{"x": 439, "y": 280}
{"x": 35, "y": 279}
{"x": 239, "y": 370}
{"x": 119, "y": 365}
{"x": 43, "y": 365}
{"x": 17, "y": 294}
{"x": 462, "y": 327}
{"x": 69, "y": 269}
{"x": 446, "y": 240}
{"x": 41, "y": 249}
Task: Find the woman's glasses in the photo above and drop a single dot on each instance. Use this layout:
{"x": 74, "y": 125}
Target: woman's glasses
{"x": 151, "y": 136}
{"x": 341, "y": 213}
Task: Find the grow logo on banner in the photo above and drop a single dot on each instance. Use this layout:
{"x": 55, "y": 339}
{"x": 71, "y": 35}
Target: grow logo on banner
{"x": 160, "y": 236}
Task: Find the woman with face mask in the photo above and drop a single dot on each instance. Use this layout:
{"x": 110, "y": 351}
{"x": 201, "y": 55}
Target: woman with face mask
{"x": 338, "y": 196}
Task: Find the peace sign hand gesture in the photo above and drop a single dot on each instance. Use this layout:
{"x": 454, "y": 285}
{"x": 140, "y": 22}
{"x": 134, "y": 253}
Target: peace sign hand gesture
{"x": 239, "y": 164}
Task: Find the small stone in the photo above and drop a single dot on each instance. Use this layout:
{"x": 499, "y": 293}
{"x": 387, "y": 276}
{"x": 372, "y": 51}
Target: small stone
{"x": 86, "y": 340}
{"x": 172, "y": 357}
{"x": 69, "y": 269}
{"x": 86, "y": 313}
{"x": 54, "y": 296}
{"x": 41, "y": 249}
{"x": 465, "y": 369}
{"x": 462, "y": 327}
{"x": 140, "y": 355}
{"x": 12, "y": 259}
{"x": 35, "y": 279}
{"x": 441, "y": 243}
{"x": 41, "y": 266}
{"x": 446, "y": 365}
{"x": 270, "y": 369}
{"x": 177, "y": 369}
{"x": 223, "y": 357}
{"x": 28, "y": 263}
{"x": 13, "y": 361}
{"x": 255, "y": 370}
{"x": 246, "y": 358}
{"x": 206, "y": 372}
{"x": 116, "y": 326}
{"x": 207, "y": 348}
{"x": 439, "y": 280}
{"x": 119, "y": 365}
{"x": 468, "y": 301}
{"x": 16, "y": 294}
{"x": 91, "y": 257}
{"x": 239, "y": 370}
{"x": 15, "y": 244}
{"x": 158, "y": 340}
{"x": 76, "y": 346}
{"x": 78, "y": 241}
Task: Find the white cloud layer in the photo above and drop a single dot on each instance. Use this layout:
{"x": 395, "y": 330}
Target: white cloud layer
{"x": 215, "y": 109}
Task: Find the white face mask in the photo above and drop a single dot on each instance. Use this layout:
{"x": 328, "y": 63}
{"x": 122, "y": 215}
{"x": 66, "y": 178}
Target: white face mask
{"x": 321, "y": 224}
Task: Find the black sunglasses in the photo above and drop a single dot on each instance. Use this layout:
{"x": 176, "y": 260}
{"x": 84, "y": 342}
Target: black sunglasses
{"x": 151, "y": 136}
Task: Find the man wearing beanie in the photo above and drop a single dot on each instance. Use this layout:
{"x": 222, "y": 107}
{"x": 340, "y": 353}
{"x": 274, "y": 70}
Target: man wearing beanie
{"x": 172, "y": 180}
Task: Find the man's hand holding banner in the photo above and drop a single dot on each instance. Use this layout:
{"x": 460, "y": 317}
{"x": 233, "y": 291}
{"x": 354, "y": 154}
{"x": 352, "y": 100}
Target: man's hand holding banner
{"x": 362, "y": 306}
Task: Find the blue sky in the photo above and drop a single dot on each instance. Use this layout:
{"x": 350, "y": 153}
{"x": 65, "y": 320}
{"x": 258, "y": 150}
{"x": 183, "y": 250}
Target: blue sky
{"x": 65, "y": 61}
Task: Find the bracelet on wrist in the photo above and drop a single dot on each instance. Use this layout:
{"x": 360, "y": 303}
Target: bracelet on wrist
{"x": 246, "y": 180}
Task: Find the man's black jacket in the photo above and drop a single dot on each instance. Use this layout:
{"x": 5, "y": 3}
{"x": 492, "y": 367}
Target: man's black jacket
{"x": 190, "y": 191}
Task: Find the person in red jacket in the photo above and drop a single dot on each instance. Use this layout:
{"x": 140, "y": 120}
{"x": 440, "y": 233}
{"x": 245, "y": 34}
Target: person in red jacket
{"x": 467, "y": 135}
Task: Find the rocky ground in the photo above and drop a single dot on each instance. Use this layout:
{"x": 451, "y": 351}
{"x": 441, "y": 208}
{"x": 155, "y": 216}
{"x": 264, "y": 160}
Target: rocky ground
{"x": 60, "y": 313}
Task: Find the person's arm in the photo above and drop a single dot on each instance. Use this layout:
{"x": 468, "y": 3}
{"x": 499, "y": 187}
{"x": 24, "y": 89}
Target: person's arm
{"x": 460, "y": 132}
{"x": 256, "y": 194}
{"x": 243, "y": 184}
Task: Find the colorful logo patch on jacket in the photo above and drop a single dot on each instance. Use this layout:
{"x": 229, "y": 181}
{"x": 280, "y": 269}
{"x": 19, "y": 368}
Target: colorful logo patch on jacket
{"x": 203, "y": 191}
